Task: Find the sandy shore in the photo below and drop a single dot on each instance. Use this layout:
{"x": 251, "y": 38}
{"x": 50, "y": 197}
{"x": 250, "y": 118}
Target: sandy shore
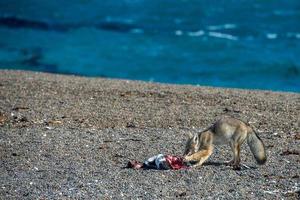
{"x": 70, "y": 137}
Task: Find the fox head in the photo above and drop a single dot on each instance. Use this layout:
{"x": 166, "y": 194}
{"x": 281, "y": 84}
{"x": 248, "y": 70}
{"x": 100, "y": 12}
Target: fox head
{"x": 192, "y": 144}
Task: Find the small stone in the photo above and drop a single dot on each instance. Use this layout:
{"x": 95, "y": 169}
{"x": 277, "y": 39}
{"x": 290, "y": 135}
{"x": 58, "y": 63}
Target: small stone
{"x": 227, "y": 110}
{"x": 23, "y": 119}
{"x": 297, "y": 136}
{"x": 54, "y": 122}
{"x": 49, "y": 128}
{"x": 130, "y": 125}
{"x": 2, "y": 119}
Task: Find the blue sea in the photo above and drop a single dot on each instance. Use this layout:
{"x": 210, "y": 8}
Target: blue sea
{"x": 252, "y": 44}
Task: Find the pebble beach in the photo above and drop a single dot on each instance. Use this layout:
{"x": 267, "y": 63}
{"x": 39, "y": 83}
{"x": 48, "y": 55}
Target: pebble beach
{"x": 70, "y": 137}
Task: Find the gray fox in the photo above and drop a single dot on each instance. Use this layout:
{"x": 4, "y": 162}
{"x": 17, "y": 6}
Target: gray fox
{"x": 225, "y": 131}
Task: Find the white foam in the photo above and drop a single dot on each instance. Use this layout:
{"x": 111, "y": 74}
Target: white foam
{"x": 196, "y": 34}
{"x": 271, "y": 36}
{"x": 178, "y": 32}
{"x": 222, "y": 35}
{"x": 222, "y": 26}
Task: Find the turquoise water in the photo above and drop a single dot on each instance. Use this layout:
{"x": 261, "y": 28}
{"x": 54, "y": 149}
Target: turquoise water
{"x": 241, "y": 44}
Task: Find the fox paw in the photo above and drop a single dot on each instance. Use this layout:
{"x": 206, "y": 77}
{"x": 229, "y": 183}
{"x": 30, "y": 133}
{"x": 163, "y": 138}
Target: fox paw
{"x": 237, "y": 167}
{"x": 188, "y": 158}
{"x": 230, "y": 163}
{"x": 233, "y": 165}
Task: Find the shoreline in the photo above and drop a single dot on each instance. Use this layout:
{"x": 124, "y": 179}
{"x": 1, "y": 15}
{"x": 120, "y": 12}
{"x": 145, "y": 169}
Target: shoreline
{"x": 70, "y": 137}
{"x": 148, "y": 82}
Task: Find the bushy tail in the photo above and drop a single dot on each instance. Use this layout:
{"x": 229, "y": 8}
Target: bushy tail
{"x": 257, "y": 148}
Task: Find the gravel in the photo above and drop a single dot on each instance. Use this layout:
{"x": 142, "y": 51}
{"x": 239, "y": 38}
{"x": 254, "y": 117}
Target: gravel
{"x": 68, "y": 137}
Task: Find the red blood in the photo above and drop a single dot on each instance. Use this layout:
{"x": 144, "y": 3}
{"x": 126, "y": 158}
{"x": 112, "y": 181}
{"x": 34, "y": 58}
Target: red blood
{"x": 176, "y": 162}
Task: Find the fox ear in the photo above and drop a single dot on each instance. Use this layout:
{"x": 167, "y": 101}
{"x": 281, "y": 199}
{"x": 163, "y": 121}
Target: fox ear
{"x": 196, "y": 142}
{"x": 195, "y": 138}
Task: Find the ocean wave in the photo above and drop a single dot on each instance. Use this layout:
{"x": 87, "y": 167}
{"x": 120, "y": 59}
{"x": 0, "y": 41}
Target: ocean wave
{"x": 271, "y": 36}
{"x": 221, "y": 27}
{"x": 293, "y": 35}
{"x": 222, "y": 35}
{"x": 196, "y": 33}
{"x": 178, "y": 32}
{"x": 190, "y": 33}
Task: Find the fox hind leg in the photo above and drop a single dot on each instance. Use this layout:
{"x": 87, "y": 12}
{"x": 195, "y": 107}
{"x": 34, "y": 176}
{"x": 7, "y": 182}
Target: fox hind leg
{"x": 236, "y": 160}
{"x": 237, "y": 164}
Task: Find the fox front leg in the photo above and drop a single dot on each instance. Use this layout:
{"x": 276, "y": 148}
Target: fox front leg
{"x": 193, "y": 160}
{"x": 200, "y": 157}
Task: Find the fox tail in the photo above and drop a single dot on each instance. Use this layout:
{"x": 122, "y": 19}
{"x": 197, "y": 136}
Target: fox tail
{"x": 257, "y": 148}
